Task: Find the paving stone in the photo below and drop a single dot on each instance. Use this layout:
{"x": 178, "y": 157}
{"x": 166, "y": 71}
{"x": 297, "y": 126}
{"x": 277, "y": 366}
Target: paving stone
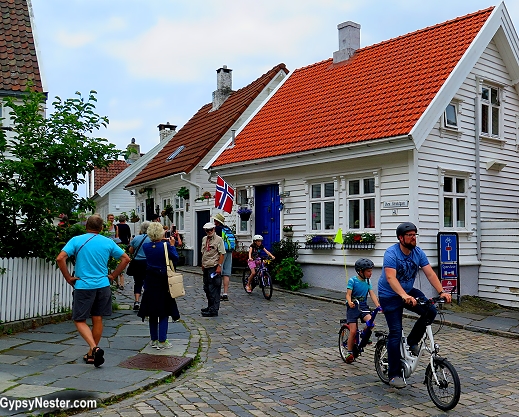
{"x": 30, "y": 391}
{"x": 44, "y": 337}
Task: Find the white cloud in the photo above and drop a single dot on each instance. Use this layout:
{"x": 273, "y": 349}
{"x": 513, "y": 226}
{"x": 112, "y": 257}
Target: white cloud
{"x": 74, "y": 40}
{"x": 118, "y": 125}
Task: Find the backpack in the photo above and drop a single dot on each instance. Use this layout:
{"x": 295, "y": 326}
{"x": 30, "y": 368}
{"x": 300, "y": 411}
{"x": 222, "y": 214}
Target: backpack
{"x": 229, "y": 240}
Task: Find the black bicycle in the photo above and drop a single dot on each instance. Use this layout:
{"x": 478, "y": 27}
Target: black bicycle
{"x": 262, "y": 278}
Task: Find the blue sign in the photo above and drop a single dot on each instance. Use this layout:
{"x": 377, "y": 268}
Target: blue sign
{"x": 448, "y": 248}
{"x": 448, "y": 266}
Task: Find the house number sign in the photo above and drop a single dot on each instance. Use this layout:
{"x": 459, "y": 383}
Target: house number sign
{"x": 395, "y": 204}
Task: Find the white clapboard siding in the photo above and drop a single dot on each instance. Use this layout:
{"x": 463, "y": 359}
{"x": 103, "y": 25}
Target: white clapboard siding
{"x": 498, "y": 277}
{"x": 31, "y": 288}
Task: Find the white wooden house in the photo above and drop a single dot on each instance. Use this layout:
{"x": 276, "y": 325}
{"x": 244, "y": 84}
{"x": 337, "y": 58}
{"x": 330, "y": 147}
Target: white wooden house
{"x": 420, "y": 128}
{"x": 179, "y": 165}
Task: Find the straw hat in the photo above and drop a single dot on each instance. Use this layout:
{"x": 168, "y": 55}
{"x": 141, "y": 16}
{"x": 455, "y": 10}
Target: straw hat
{"x": 219, "y": 218}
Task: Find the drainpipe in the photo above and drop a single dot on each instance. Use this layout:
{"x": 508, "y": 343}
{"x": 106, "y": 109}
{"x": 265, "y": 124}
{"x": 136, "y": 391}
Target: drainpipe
{"x": 477, "y": 116}
{"x": 190, "y": 182}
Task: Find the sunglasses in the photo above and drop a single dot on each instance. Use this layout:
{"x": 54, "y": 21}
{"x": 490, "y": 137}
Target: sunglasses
{"x": 411, "y": 234}
{"x": 208, "y": 230}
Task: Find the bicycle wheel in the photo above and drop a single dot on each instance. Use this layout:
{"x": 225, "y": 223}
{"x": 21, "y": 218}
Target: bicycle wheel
{"x": 344, "y": 334}
{"x": 445, "y": 393}
{"x": 381, "y": 364}
{"x": 266, "y": 286}
{"x": 245, "y": 277}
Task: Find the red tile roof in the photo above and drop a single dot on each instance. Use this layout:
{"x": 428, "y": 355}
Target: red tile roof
{"x": 17, "y": 49}
{"x": 380, "y": 92}
{"x": 201, "y": 133}
{"x": 103, "y": 175}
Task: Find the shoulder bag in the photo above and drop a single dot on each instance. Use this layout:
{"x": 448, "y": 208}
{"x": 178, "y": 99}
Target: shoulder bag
{"x": 175, "y": 279}
{"x": 130, "y": 270}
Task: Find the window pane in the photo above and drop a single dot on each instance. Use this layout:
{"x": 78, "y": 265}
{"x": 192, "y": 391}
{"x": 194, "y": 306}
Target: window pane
{"x": 180, "y": 224}
{"x": 460, "y": 185}
{"x": 484, "y": 94}
{"x": 369, "y": 213}
{"x": 243, "y": 225}
{"x": 484, "y": 118}
{"x": 329, "y": 218}
{"x": 447, "y": 212}
{"x": 354, "y": 214}
{"x": 242, "y": 197}
{"x": 354, "y": 187}
{"x": 316, "y": 191}
{"x": 495, "y": 121}
{"x": 447, "y": 185}
{"x": 369, "y": 185}
{"x": 460, "y": 212}
{"x": 328, "y": 189}
{"x": 494, "y": 96}
{"x": 450, "y": 115}
{"x": 316, "y": 216}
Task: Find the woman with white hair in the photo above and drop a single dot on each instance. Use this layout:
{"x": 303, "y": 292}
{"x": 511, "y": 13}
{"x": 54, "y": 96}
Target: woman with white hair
{"x": 156, "y": 302}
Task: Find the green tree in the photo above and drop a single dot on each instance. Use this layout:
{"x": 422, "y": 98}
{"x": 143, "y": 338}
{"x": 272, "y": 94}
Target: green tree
{"x": 42, "y": 167}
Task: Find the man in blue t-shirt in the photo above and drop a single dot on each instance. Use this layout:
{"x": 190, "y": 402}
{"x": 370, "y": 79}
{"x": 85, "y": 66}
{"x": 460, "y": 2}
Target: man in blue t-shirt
{"x": 395, "y": 292}
{"x": 92, "y": 296}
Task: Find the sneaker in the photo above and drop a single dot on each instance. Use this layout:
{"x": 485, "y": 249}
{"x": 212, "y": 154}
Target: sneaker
{"x": 164, "y": 345}
{"x": 154, "y": 344}
{"x": 224, "y": 297}
{"x": 350, "y": 358}
{"x": 136, "y": 305}
{"x": 415, "y": 350}
{"x": 204, "y": 310}
{"x": 397, "y": 382}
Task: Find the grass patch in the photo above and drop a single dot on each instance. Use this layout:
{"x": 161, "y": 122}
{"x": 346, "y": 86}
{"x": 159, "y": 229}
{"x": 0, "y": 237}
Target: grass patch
{"x": 473, "y": 304}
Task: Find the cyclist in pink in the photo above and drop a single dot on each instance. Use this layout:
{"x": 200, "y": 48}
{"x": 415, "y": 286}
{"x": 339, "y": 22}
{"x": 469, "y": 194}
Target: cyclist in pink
{"x": 254, "y": 253}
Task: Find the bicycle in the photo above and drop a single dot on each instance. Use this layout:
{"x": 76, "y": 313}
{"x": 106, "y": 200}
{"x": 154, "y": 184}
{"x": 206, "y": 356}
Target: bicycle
{"x": 442, "y": 380}
{"x": 262, "y": 278}
{"x": 361, "y": 338}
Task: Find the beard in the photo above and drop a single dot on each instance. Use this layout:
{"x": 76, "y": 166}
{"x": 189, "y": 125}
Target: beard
{"x": 411, "y": 245}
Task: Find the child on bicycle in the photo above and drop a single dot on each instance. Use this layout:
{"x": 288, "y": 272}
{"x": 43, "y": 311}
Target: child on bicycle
{"x": 254, "y": 252}
{"x": 358, "y": 288}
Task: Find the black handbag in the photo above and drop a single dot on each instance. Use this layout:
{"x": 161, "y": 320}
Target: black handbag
{"x": 132, "y": 266}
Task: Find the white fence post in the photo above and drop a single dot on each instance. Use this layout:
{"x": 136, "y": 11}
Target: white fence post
{"x": 31, "y": 288}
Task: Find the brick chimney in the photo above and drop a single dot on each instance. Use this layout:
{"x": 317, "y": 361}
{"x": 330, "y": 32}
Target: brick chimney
{"x": 165, "y": 130}
{"x": 132, "y": 157}
{"x": 349, "y": 41}
{"x": 223, "y": 86}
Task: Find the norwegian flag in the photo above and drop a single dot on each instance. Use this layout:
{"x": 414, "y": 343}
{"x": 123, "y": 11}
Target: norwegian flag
{"x": 224, "y": 196}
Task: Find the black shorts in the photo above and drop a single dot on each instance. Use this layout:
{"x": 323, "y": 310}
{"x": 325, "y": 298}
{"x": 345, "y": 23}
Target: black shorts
{"x": 87, "y": 303}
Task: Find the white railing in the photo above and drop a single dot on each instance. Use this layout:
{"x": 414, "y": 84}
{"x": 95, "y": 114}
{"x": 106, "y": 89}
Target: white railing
{"x": 31, "y": 288}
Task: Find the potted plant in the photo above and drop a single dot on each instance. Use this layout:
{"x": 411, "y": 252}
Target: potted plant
{"x": 134, "y": 218}
{"x": 183, "y": 192}
{"x": 168, "y": 211}
{"x": 288, "y": 230}
{"x": 353, "y": 240}
{"x": 204, "y": 197}
{"x": 244, "y": 213}
{"x": 319, "y": 242}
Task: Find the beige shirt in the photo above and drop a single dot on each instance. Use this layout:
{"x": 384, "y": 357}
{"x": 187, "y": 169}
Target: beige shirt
{"x": 211, "y": 250}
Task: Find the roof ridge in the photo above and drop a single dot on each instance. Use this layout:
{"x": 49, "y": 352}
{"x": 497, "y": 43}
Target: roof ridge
{"x": 447, "y": 22}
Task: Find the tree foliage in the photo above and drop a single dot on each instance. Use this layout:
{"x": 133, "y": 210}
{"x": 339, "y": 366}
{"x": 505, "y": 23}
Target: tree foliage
{"x": 42, "y": 167}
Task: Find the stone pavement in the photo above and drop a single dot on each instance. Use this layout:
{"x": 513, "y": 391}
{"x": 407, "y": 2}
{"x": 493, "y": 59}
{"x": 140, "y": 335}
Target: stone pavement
{"x": 47, "y": 361}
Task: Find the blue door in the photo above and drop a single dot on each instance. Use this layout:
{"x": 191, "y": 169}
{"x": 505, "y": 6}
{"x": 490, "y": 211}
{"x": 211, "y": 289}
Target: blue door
{"x": 267, "y": 214}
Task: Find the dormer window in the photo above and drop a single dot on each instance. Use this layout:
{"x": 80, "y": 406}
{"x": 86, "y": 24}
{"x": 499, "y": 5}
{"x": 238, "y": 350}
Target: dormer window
{"x": 450, "y": 116}
{"x": 490, "y": 110}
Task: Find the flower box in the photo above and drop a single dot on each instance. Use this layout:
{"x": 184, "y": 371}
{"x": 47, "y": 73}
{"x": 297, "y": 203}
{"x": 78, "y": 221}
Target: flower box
{"x": 327, "y": 245}
{"x": 360, "y": 245}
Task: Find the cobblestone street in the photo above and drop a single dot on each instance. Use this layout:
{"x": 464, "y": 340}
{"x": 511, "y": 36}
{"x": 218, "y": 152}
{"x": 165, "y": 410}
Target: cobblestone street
{"x": 280, "y": 357}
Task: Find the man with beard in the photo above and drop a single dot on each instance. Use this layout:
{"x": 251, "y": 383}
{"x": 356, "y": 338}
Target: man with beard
{"x": 395, "y": 292}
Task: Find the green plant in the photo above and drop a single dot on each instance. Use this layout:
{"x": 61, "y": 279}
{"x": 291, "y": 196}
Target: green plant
{"x": 289, "y": 275}
{"x": 288, "y": 228}
{"x": 183, "y": 192}
{"x": 352, "y": 237}
{"x": 283, "y": 249}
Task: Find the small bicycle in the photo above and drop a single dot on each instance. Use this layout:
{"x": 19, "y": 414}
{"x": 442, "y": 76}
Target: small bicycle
{"x": 262, "y": 278}
{"x": 361, "y": 338}
{"x": 442, "y": 380}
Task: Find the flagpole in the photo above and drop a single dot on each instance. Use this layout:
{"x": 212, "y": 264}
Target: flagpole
{"x": 340, "y": 239}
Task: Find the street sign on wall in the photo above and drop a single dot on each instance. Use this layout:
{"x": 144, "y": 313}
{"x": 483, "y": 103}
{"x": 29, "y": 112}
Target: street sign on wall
{"x": 448, "y": 261}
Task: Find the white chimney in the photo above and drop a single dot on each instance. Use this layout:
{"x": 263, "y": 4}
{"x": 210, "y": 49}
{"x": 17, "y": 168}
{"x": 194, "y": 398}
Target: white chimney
{"x": 165, "y": 130}
{"x": 223, "y": 86}
{"x": 349, "y": 41}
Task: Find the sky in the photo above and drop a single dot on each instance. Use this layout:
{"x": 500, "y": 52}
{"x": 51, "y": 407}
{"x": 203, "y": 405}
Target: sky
{"x": 155, "y": 61}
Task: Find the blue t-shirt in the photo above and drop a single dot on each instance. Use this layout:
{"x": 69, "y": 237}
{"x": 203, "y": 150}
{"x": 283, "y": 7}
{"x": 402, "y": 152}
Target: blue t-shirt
{"x": 359, "y": 288}
{"x": 136, "y": 242}
{"x": 406, "y": 267}
{"x": 92, "y": 260}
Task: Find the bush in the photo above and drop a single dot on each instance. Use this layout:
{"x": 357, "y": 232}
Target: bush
{"x": 289, "y": 275}
{"x": 283, "y": 249}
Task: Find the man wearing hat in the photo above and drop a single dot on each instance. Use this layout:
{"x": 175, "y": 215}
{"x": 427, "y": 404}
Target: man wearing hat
{"x": 213, "y": 252}
{"x": 219, "y": 221}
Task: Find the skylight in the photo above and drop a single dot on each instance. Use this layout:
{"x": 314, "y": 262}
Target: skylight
{"x": 178, "y": 150}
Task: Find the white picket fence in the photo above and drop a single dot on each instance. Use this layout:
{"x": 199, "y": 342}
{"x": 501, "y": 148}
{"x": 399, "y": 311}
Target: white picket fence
{"x": 31, "y": 288}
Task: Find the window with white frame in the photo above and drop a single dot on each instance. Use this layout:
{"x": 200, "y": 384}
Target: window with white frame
{"x": 490, "y": 110}
{"x": 179, "y": 212}
{"x": 454, "y": 201}
{"x": 361, "y": 203}
{"x": 450, "y": 116}
{"x": 322, "y": 203}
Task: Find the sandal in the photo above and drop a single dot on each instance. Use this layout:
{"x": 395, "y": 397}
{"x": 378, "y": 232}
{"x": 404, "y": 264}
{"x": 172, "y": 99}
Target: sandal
{"x": 98, "y": 355}
{"x": 89, "y": 359}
